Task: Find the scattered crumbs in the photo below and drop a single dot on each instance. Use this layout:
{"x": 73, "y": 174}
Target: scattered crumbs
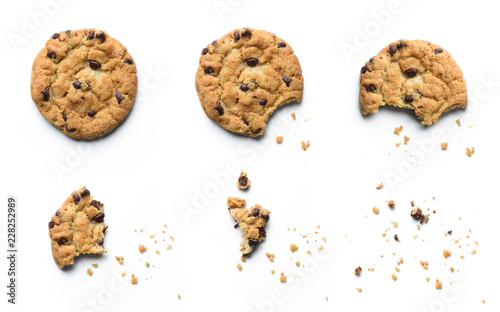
{"x": 294, "y": 247}
{"x": 270, "y": 257}
{"x": 473, "y": 252}
{"x": 452, "y": 269}
{"x": 381, "y": 185}
{"x": 391, "y": 204}
{"x": 400, "y": 261}
{"x": 142, "y": 248}
{"x": 293, "y": 116}
{"x": 133, "y": 280}
{"x": 406, "y": 139}
{"x": 383, "y": 234}
{"x": 428, "y": 278}
{"x": 239, "y": 267}
{"x": 398, "y": 144}
{"x": 89, "y": 272}
{"x": 147, "y": 264}
{"x": 123, "y": 273}
{"x": 359, "y": 289}
{"x": 483, "y": 300}
{"x": 469, "y": 151}
{"x": 309, "y": 252}
{"x": 273, "y": 271}
{"x": 95, "y": 265}
{"x": 283, "y": 277}
{"x": 375, "y": 210}
{"x": 279, "y": 139}
{"x": 444, "y": 145}
{"x": 297, "y": 263}
{"x": 243, "y": 259}
{"x": 462, "y": 257}
{"x": 458, "y": 121}
{"x": 424, "y": 264}
{"x": 394, "y": 276}
{"x": 320, "y": 248}
{"x": 397, "y": 269}
{"x": 398, "y": 130}
{"x": 439, "y": 285}
{"x": 446, "y": 253}
{"x": 158, "y": 252}
{"x": 119, "y": 259}
{"x": 357, "y": 271}
{"x": 169, "y": 247}
{"x": 179, "y": 296}
{"x": 171, "y": 238}
{"x": 305, "y": 145}
{"x": 394, "y": 224}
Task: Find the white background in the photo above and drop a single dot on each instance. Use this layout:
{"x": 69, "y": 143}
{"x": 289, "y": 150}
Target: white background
{"x": 167, "y": 151}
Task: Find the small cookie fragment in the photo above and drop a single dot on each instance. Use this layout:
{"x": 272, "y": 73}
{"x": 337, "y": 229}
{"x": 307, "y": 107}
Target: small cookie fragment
{"x": 77, "y": 228}
{"x": 458, "y": 122}
{"x": 444, "y": 146}
{"x": 469, "y": 151}
{"x": 283, "y": 277}
{"x": 133, "y": 280}
{"x": 381, "y": 185}
{"x": 398, "y": 130}
{"x": 294, "y": 247}
{"x": 142, "y": 248}
{"x": 394, "y": 276}
{"x": 279, "y": 139}
{"x": 375, "y": 210}
{"x": 243, "y": 181}
{"x": 446, "y": 253}
{"x": 391, "y": 204}
{"x": 251, "y": 222}
{"x": 439, "y": 284}
{"x": 407, "y": 139}
{"x": 305, "y": 145}
{"x": 293, "y": 116}
{"x": 239, "y": 266}
{"x": 89, "y": 272}
{"x": 357, "y": 271}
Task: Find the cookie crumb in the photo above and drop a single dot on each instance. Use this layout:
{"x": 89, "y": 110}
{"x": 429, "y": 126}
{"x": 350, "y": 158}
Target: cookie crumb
{"x": 473, "y": 252}
{"x": 239, "y": 267}
{"x": 123, "y": 273}
{"x": 444, "y": 145}
{"x": 391, "y": 204}
{"x": 357, "y": 271}
{"x": 428, "y": 278}
{"x": 397, "y": 269}
{"x": 142, "y": 249}
{"x": 439, "y": 285}
{"x": 294, "y": 247}
{"x": 398, "y": 130}
{"x": 424, "y": 264}
{"x": 297, "y": 263}
{"x": 375, "y": 210}
{"x": 359, "y": 289}
{"x": 90, "y": 272}
{"x": 305, "y": 145}
{"x": 381, "y": 185}
{"x": 273, "y": 271}
{"x": 458, "y": 121}
{"x": 400, "y": 261}
{"x": 147, "y": 264}
{"x": 95, "y": 265}
{"x": 283, "y": 277}
{"x": 279, "y": 139}
{"x": 469, "y": 151}
{"x": 394, "y": 276}
{"x": 243, "y": 181}
{"x": 406, "y": 139}
{"x": 452, "y": 269}
{"x": 119, "y": 259}
{"x": 270, "y": 257}
{"x": 446, "y": 253}
{"x": 293, "y": 116}
{"x": 179, "y": 296}
{"x": 133, "y": 280}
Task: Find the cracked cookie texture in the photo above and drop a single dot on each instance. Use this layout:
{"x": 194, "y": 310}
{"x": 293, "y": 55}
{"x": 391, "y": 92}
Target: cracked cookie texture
{"x": 77, "y": 228}
{"x": 251, "y": 222}
{"x": 413, "y": 74}
{"x": 244, "y": 76}
{"x": 84, "y": 82}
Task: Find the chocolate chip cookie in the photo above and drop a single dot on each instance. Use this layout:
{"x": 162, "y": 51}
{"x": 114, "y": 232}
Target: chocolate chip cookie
{"x": 84, "y": 82}
{"x": 244, "y": 76}
{"x": 251, "y": 223}
{"x": 413, "y": 74}
{"x": 77, "y": 228}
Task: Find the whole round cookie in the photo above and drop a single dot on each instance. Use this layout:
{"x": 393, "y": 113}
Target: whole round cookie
{"x": 84, "y": 82}
{"x": 77, "y": 228}
{"x": 244, "y": 76}
{"x": 413, "y": 74}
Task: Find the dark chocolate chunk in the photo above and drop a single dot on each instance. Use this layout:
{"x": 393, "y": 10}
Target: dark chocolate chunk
{"x": 62, "y": 240}
{"x": 246, "y": 32}
{"x": 99, "y": 218}
{"x": 208, "y": 70}
{"x": 55, "y": 36}
{"x": 70, "y": 130}
{"x": 119, "y": 97}
{"x": 287, "y": 80}
{"x": 255, "y": 212}
{"x": 90, "y": 113}
{"x": 46, "y": 94}
{"x": 204, "y": 51}
{"x": 262, "y": 102}
{"x": 76, "y": 198}
{"x": 243, "y": 180}
{"x": 245, "y": 121}
{"x": 52, "y": 54}
{"x": 438, "y": 50}
{"x": 219, "y": 108}
{"x": 77, "y": 84}
{"x": 252, "y": 61}
{"x": 101, "y": 35}
{"x": 412, "y": 72}
{"x": 236, "y": 35}
{"x": 94, "y": 64}
{"x": 128, "y": 61}
{"x": 262, "y": 232}
{"x": 370, "y": 88}
{"x": 85, "y": 192}
{"x": 281, "y": 44}
{"x": 244, "y": 87}
{"x": 51, "y": 224}
{"x": 252, "y": 242}
{"x": 408, "y": 98}
{"x": 401, "y": 44}
{"x": 64, "y": 116}
{"x": 364, "y": 69}
{"x": 90, "y": 35}
{"x": 392, "y": 49}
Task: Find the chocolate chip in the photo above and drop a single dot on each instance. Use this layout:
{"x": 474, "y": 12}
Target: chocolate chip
{"x": 99, "y": 218}
{"x": 208, "y": 70}
{"x": 401, "y": 44}
{"x": 70, "y": 130}
{"x": 372, "y": 59}
{"x": 100, "y": 241}
{"x": 214, "y": 42}
{"x": 119, "y": 97}
{"x": 46, "y": 94}
{"x": 262, "y": 232}
{"x": 236, "y": 225}
{"x": 64, "y": 116}
{"x": 281, "y": 44}
{"x": 219, "y": 108}
{"x": 265, "y": 216}
{"x": 252, "y": 61}
{"x": 396, "y": 237}
{"x": 408, "y": 98}
{"x": 96, "y": 203}
{"x": 364, "y": 69}
{"x": 262, "y": 102}
{"x": 254, "y": 213}
{"x": 90, "y": 113}
{"x": 252, "y": 242}
{"x": 236, "y": 35}
{"x": 255, "y": 131}
{"x": 76, "y": 198}
{"x": 244, "y": 87}
{"x": 55, "y": 36}
{"x": 104, "y": 231}
{"x": 392, "y": 49}
{"x": 204, "y": 51}
{"x": 68, "y": 32}
{"x": 85, "y": 192}
{"x": 245, "y": 33}
{"x": 57, "y": 213}
{"x": 52, "y": 54}
{"x": 90, "y": 35}
{"x": 416, "y": 213}
{"x": 243, "y": 180}
{"x": 51, "y": 224}
{"x": 94, "y": 64}
{"x": 412, "y": 72}
{"x": 77, "y": 84}
{"x": 101, "y": 35}
{"x": 370, "y": 88}
{"x": 62, "y": 240}
{"x": 245, "y": 121}
{"x": 128, "y": 61}
{"x": 287, "y": 80}
{"x": 438, "y": 50}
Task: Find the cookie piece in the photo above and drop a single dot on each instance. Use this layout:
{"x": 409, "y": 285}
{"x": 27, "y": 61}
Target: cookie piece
{"x": 413, "y": 74}
{"x": 251, "y": 222}
{"x": 84, "y": 82}
{"x": 243, "y": 181}
{"x": 244, "y": 76}
{"x": 77, "y": 228}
